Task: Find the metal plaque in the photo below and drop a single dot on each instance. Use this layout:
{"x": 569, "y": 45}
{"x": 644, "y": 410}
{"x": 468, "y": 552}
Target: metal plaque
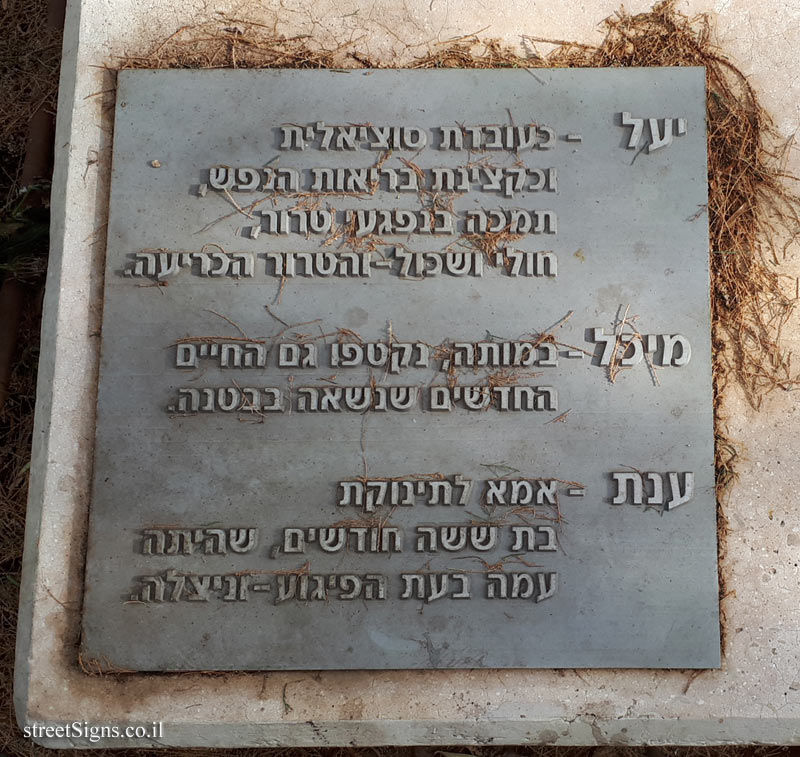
{"x": 405, "y": 369}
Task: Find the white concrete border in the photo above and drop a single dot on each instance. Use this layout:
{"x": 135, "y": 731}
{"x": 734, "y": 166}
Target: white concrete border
{"x": 754, "y": 698}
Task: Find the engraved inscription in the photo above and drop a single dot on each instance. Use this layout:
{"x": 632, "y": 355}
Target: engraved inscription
{"x": 392, "y": 381}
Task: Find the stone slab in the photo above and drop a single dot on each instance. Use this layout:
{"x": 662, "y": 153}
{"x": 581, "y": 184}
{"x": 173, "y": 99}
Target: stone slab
{"x": 461, "y": 526}
{"x": 751, "y": 699}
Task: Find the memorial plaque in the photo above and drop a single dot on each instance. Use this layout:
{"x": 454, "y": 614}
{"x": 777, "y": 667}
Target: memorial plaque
{"x": 405, "y": 369}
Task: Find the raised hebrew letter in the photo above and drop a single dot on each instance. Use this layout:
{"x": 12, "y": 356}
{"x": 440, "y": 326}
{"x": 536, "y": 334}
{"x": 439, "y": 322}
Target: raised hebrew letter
{"x": 346, "y": 137}
{"x": 168, "y": 264}
{"x": 608, "y": 342}
{"x": 547, "y": 584}
{"x": 499, "y": 589}
{"x": 152, "y": 589}
{"x": 403, "y": 397}
{"x": 636, "y": 131}
{"x": 545, "y": 221}
{"x": 458, "y": 263}
{"x": 287, "y": 587}
{"x": 347, "y": 354}
{"x": 381, "y": 141}
{"x": 463, "y": 592}
{"x": 496, "y": 492}
{"x": 177, "y": 582}
{"x": 242, "y": 540}
{"x": 236, "y": 588}
{"x": 525, "y": 398}
{"x": 357, "y": 398}
{"x": 463, "y": 354}
{"x": 255, "y": 355}
{"x": 332, "y": 539}
{"x": 628, "y": 357}
{"x": 521, "y": 586}
{"x": 247, "y": 179}
{"x": 423, "y": 544}
{"x": 514, "y": 181}
{"x": 228, "y": 399}
{"x": 352, "y": 493}
{"x": 483, "y": 538}
{"x": 528, "y": 544}
{"x": 438, "y": 586}
{"x": 657, "y": 497}
{"x": 289, "y": 355}
{"x": 521, "y": 492}
{"x": 220, "y": 177}
{"x": 670, "y": 343}
{"x": 475, "y": 135}
{"x": 526, "y": 137}
{"x": 374, "y": 586}
{"x": 308, "y": 399}
{"x": 441, "y": 493}
{"x": 215, "y": 542}
{"x": 274, "y": 221}
{"x": 230, "y": 355}
{"x": 465, "y": 485}
{"x": 323, "y": 180}
{"x": 319, "y": 591}
{"x": 361, "y": 537}
{"x": 680, "y": 497}
{"x": 494, "y": 177}
{"x": 550, "y": 137}
{"x": 444, "y": 179}
{"x": 621, "y": 479}
{"x": 540, "y": 178}
{"x": 292, "y": 138}
{"x": 494, "y": 137}
{"x": 287, "y": 179}
{"x": 545, "y": 264}
{"x": 186, "y": 356}
{"x": 476, "y": 222}
{"x": 550, "y": 544}
{"x": 414, "y": 586}
{"x": 201, "y": 586}
{"x": 452, "y": 138}
{"x": 661, "y": 130}
{"x": 657, "y": 138}
{"x": 294, "y": 540}
{"x": 241, "y": 264}
{"x": 365, "y": 222}
{"x": 145, "y": 264}
{"x": 440, "y": 398}
{"x": 546, "y": 492}
{"x": 350, "y": 586}
{"x": 454, "y": 538}
{"x": 390, "y": 540}
{"x": 499, "y": 220}
{"x": 275, "y": 395}
{"x": 153, "y": 541}
{"x": 375, "y": 494}
{"x": 331, "y": 399}
{"x": 358, "y": 180}
{"x": 180, "y": 542}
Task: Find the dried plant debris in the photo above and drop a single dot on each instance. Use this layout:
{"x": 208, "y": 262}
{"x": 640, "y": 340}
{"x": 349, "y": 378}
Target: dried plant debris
{"x": 234, "y": 43}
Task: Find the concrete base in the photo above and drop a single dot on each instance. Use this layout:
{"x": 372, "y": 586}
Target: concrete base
{"x": 755, "y": 697}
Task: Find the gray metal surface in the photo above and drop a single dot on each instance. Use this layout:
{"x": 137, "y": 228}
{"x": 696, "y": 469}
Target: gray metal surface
{"x": 626, "y": 585}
